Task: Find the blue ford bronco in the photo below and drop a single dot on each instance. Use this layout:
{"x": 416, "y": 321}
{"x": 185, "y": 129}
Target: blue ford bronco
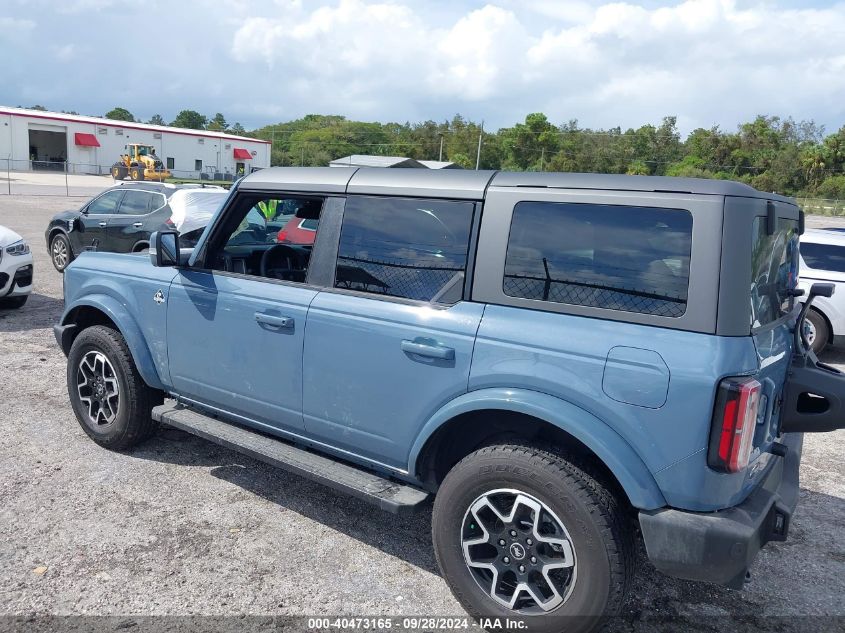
{"x": 566, "y": 363}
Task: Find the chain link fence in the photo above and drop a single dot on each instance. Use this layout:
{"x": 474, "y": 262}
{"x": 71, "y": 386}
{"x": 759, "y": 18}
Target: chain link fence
{"x": 594, "y": 295}
{"x": 422, "y": 282}
{"x": 822, "y": 206}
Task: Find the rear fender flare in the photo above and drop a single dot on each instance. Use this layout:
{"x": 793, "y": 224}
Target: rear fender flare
{"x": 620, "y": 458}
{"x": 128, "y": 328}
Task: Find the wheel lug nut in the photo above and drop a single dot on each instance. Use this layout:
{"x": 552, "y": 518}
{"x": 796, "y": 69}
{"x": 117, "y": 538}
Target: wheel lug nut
{"x": 529, "y": 542}
{"x": 522, "y": 569}
{"x": 513, "y": 533}
{"x": 506, "y": 560}
{"x": 533, "y": 559}
{"x": 502, "y": 542}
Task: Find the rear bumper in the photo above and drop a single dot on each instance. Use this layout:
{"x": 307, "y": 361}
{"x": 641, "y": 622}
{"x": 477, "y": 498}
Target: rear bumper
{"x": 720, "y": 546}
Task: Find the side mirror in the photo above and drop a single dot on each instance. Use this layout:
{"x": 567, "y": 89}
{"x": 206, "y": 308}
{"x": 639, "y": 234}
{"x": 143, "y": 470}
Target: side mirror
{"x": 164, "y": 248}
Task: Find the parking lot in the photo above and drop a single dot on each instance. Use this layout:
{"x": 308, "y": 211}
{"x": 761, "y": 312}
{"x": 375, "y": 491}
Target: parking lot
{"x": 180, "y": 526}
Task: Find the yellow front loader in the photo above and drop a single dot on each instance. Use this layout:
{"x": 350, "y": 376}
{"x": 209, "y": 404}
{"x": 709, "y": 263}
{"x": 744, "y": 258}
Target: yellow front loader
{"x": 139, "y": 163}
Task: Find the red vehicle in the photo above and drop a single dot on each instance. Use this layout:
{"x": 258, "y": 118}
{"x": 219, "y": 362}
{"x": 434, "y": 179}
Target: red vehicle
{"x": 298, "y": 230}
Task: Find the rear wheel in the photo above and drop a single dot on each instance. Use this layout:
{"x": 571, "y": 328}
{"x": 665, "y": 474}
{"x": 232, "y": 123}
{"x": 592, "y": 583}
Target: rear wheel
{"x": 111, "y": 401}
{"x": 137, "y": 173}
{"x": 520, "y": 532}
{"x": 119, "y": 172}
{"x": 60, "y": 252}
{"x": 14, "y": 302}
{"x": 816, "y": 330}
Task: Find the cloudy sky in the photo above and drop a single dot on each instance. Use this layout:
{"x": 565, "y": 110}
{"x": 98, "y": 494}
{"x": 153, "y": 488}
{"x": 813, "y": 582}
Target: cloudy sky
{"x": 263, "y": 61}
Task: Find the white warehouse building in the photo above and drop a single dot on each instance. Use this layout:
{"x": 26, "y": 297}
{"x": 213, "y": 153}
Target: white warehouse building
{"x": 37, "y": 140}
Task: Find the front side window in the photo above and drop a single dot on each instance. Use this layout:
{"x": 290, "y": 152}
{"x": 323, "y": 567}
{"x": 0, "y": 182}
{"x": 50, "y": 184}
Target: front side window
{"x": 774, "y": 270}
{"x": 824, "y": 256}
{"x": 634, "y": 259}
{"x": 256, "y": 243}
{"x": 135, "y": 202}
{"x": 106, "y": 204}
{"x": 404, "y": 247}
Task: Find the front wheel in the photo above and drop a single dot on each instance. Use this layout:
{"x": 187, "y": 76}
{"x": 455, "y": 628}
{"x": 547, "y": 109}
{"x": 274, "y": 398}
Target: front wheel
{"x": 60, "y": 252}
{"x": 111, "y": 401}
{"x": 520, "y": 532}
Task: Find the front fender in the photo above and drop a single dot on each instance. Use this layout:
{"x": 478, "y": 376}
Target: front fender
{"x": 128, "y": 328}
{"x": 607, "y": 444}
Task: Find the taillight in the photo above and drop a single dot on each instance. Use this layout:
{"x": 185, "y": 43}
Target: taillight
{"x": 282, "y": 236}
{"x": 734, "y": 422}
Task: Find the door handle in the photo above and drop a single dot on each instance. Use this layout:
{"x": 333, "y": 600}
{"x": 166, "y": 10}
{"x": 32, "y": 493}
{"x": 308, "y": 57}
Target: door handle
{"x": 103, "y": 223}
{"x": 274, "y": 321}
{"x": 428, "y": 350}
{"x": 138, "y": 225}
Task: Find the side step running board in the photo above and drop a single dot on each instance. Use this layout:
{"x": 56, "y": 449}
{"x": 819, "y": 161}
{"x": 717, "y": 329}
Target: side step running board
{"x": 387, "y": 494}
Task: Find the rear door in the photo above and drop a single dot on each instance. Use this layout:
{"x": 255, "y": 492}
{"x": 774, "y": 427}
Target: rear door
{"x": 392, "y": 341}
{"x": 135, "y": 220}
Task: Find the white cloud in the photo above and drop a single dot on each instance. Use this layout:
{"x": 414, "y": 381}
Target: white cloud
{"x": 624, "y": 59}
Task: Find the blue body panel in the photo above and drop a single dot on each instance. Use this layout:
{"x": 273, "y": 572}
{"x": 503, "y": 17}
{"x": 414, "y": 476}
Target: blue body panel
{"x": 362, "y": 391}
{"x": 374, "y": 379}
{"x": 222, "y": 354}
{"x": 123, "y": 287}
{"x": 566, "y": 357}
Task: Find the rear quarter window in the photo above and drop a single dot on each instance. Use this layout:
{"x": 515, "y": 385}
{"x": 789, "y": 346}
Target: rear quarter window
{"x": 633, "y": 259}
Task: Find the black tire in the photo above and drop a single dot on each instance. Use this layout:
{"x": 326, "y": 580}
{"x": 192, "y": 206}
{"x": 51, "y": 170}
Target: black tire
{"x": 822, "y": 329}
{"x": 601, "y": 534}
{"x": 13, "y": 303}
{"x": 137, "y": 173}
{"x": 119, "y": 172}
{"x": 61, "y": 253}
{"x": 132, "y": 421}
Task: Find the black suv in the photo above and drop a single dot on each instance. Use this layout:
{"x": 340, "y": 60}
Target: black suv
{"x": 119, "y": 220}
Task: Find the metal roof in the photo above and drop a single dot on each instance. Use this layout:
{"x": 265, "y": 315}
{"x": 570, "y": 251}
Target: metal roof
{"x": 444, "y": 183}
{"x": 440, "y": 164}
{"x": 618, "y": 182}
{"x": 326, "y": 179}
{"x": 93, "y": 120}
{"x": 471, "y": 184}
{"x": 363, "y": 160}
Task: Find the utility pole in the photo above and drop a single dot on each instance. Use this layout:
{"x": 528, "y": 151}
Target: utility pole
{"x": 441, "y": 149}
{"x": 478, "y": 155}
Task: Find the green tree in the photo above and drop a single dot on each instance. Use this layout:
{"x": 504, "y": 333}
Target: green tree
{"x": 156, "y": 119}
{"x": 119, "y": 114}
{"x": 190, "y": 119}
{"x": 218, "y": 123}
{"x": 40, "y": 108}
{"x": 238, "y": 129}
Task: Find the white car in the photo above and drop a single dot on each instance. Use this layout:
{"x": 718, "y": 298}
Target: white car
{"x": 15, "y": 269}
{"x": 823, "y": 260}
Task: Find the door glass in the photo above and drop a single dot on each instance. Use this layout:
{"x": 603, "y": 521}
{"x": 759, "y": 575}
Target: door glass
{"x": 135, "y": 202}
{"x": 404, "y": 247}
{"x": 106, "y": 203}
{"x": 267, "y": 240}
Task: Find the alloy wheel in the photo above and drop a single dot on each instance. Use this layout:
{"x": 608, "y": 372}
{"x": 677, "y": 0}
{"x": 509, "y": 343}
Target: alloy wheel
{"x": 518, "y": 551}
{"x": 98, "y": 389}
{"x": 60, "y": 254}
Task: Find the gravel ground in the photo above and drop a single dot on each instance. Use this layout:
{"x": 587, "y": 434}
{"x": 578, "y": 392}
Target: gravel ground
{"x": 180, "y": 526}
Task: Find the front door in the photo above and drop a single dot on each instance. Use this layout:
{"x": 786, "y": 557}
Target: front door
{"x": 393, "y": 341}
{"x": 236, "y": 323}
{"x": 95, "y": 218}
